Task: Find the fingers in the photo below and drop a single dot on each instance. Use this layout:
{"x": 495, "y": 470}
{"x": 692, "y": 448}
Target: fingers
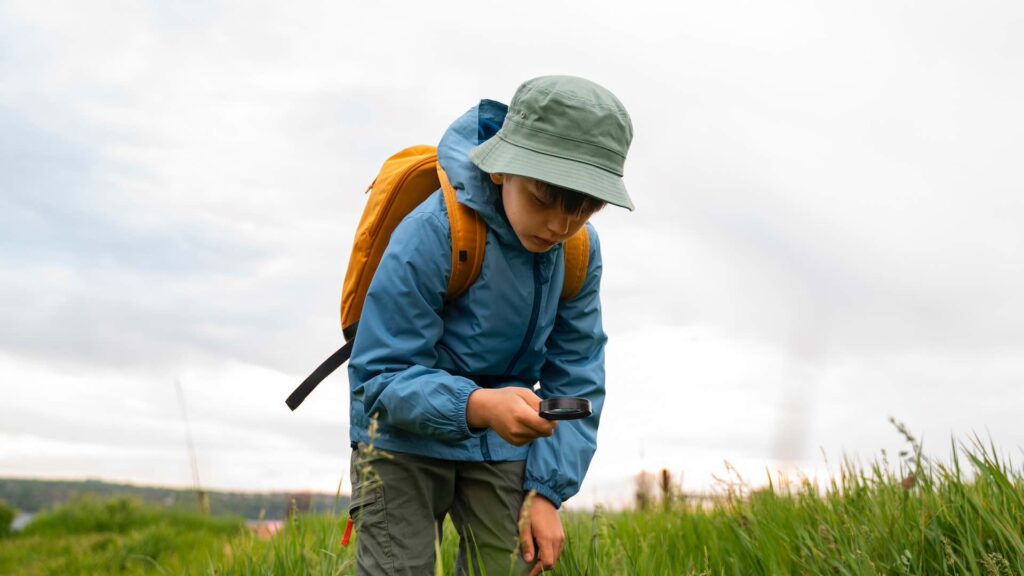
{"x": 526, "y": 542}
{"x": 548, "y": 559}
{"x": 538, "y": 425}
{"x": 531, "y": 425}
{"x": 546, "y": 551}
{"x": 516, "y": 418}
{"x": 541, "y": 535}
{"x": 529, "y": 397}
{"x": 532, "y": 418}
{"x": 525, "y": 435}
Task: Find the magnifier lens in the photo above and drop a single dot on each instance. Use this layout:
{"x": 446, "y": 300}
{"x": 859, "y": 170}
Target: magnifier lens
{"x": 565, "y": 408}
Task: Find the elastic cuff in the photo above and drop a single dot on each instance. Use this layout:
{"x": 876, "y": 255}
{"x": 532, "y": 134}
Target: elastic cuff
{"x": 460, "y": 403}
{"x": 543, "y": 491}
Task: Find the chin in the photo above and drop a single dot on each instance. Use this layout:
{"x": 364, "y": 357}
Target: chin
{"x": 536, "y": 248}
{"x": 536, "y": 245}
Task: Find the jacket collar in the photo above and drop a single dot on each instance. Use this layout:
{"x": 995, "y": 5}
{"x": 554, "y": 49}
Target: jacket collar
{"x": 473, "y": 187}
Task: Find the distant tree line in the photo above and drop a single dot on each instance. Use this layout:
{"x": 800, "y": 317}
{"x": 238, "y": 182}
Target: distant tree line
{"x": 7, "y": 514}
{"x": 39, "y": 495}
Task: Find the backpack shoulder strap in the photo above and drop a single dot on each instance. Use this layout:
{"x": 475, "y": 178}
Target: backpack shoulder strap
{"x": 469, "y": 238}
{"x": 577, "y": 260}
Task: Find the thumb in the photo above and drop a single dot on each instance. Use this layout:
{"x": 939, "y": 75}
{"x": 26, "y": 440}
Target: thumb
{"x": 526, "y": 542}
{"x": 529, "y": 397}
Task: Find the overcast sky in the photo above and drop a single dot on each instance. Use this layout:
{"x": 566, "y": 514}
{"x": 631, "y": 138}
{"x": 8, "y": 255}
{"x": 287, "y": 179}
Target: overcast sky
{"x": 828, "y": 228}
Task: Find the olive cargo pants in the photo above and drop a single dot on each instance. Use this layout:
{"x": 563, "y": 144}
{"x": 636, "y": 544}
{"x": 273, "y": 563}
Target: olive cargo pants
{"x": 399, "y": 502}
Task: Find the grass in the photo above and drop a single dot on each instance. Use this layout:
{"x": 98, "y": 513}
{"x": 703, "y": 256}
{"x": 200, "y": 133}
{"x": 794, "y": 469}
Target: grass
{"x": 309, "y": 545}
{"x": 117, "y": 536}
{"x": 917, "y": 516}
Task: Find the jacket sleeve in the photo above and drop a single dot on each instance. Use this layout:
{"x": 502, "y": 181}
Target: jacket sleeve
{"x": 392, "y": 366}
{"x": 574, "y": 366}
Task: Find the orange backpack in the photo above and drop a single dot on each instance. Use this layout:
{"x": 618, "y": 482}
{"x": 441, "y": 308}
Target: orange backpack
{"x": 406, "y": 180}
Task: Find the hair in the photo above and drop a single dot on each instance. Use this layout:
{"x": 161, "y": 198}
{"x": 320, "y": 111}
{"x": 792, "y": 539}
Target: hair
{"x": 571, "y": 201}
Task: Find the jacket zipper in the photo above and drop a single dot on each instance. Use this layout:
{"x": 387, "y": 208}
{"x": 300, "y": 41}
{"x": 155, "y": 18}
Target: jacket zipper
{"x": 533, "y": 316}
{"x": 530, "y": 329}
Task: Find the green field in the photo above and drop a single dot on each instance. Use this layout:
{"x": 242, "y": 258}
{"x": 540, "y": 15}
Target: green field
{"x": 917, "y": 517}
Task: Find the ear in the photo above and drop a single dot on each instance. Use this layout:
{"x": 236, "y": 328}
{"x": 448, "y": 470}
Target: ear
{"x": 498, "y": 179}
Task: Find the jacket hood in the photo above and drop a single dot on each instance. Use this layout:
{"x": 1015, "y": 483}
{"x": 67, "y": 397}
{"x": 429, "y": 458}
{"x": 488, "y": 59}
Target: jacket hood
{"x": 473, "y": 186}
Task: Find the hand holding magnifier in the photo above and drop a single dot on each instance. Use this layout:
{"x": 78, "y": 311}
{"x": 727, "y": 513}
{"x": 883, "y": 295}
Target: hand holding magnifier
{"x": 564, "y": 408}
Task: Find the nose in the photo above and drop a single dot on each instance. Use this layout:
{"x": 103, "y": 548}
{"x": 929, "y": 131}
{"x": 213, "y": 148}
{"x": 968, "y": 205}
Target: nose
{"x": 559, "y": 222}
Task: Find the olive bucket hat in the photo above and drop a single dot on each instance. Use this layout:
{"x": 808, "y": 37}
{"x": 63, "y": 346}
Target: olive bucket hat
{"x": 566, "y": 131}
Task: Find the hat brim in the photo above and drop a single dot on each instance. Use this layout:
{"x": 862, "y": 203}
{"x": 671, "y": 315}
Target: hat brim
{"x": 499, "y": 156}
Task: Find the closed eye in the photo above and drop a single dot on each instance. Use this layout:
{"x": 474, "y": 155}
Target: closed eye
{"x": 540, "y": 200}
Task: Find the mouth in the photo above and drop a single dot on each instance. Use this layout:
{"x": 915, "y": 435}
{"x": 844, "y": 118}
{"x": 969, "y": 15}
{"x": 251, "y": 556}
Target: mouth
{"x": 544, "y": 242}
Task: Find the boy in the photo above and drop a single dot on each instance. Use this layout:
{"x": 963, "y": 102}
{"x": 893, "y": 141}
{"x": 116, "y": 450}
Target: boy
{"x": 451, "y": 384}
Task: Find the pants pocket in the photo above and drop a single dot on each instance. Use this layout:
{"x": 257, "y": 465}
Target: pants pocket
{"x": 369, "y": 514}
{"x": 368, "y": 499}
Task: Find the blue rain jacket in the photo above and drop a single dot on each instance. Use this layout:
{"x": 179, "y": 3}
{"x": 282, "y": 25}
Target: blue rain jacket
{"x": 416, "y": 358}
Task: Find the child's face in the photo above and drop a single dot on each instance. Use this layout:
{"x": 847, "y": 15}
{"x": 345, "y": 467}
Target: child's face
{"x": 538, "y": 222}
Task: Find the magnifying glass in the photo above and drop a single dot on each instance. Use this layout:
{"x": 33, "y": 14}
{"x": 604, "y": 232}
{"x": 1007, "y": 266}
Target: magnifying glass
{"x": 564, "y": 408}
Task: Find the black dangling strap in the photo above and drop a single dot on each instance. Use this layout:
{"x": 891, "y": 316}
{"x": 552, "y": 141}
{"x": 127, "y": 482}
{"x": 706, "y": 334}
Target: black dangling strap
{"x": 318, "y": 375}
